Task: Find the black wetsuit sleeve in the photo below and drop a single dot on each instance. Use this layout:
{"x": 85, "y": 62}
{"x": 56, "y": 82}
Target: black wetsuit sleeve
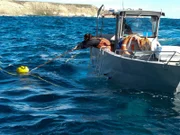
{"x": 89, "y": 43}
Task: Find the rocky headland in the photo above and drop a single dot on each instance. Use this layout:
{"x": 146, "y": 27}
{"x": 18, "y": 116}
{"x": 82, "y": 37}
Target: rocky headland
{"x": 19, "y": 8}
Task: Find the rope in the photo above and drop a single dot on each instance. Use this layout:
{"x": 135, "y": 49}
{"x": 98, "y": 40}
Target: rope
{"x": 72, "y": 57}
{"x": 40, "y": 78}
{"x": 8, "y": 72}
{"x": 57, "y": 57}
{"x": 13, "y": 74}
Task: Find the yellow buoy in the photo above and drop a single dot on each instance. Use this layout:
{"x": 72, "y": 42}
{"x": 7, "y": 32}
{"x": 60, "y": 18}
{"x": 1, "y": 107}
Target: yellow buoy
{"x": 22, "y": 70}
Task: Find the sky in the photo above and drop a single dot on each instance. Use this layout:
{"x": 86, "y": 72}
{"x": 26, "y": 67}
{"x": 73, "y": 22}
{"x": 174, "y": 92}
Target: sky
{"x": 170, "y": 7}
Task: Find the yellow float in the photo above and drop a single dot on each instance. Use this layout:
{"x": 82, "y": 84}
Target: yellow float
{"x": 22, "y": 70}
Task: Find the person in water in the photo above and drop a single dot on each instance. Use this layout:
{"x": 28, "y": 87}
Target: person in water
{"x": 90, "y": 41}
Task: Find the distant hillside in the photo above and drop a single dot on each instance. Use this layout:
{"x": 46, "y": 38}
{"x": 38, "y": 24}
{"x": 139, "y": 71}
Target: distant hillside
{"x": 17, "y": 8}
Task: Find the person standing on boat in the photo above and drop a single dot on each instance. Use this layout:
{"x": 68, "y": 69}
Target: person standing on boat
{"x": 90, "y": 41}
{"x": 127, "y": 28}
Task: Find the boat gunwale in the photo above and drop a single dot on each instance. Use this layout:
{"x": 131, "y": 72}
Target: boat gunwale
{"x": 140, "y": 60}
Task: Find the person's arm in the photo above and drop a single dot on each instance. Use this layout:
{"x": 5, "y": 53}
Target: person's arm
{"x": 92, "y": 43}
{"x": 86, "y": 44}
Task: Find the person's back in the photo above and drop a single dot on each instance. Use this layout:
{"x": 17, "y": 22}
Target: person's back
{"x": 90, "y": 41}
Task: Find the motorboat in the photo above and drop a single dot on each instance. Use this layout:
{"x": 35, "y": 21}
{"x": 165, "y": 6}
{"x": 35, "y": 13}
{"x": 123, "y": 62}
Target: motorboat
{"x": 148, "y": 66}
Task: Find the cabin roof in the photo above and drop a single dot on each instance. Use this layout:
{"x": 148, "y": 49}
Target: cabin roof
{"x": 139, "y": 13}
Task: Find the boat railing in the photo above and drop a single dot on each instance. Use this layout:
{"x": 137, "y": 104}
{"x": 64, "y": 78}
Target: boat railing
{"x": 167, "y": 57}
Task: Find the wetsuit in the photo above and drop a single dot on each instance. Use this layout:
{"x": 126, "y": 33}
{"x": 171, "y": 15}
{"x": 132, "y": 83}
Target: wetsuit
{"x": 90, "y": 43}
{"x": 95, "y": 42}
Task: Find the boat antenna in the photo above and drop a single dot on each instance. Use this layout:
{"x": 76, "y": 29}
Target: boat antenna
{"x": 97, "y": 21}
{"x": 123, "y": 4}
{"x": 99, "y": 10}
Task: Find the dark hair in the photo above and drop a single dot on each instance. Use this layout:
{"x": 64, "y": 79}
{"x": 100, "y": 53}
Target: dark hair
{"x": 87, "y": 36}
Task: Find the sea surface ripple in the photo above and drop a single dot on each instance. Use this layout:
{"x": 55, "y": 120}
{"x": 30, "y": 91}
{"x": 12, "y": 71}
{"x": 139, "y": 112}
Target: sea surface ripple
{"x": 64, "y": 96}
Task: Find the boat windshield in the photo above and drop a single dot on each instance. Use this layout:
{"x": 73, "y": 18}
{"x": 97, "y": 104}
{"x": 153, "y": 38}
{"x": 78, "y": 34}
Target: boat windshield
{"x": 142, "y": 26}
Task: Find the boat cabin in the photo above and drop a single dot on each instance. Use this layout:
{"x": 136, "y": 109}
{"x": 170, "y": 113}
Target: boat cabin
{"x": 132, "y": 28}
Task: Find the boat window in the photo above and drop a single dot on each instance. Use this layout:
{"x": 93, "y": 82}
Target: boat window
{"x": 142, "y": 26}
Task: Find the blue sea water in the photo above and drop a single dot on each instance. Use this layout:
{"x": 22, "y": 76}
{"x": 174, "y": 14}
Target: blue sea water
{"x": 64, "y": 96}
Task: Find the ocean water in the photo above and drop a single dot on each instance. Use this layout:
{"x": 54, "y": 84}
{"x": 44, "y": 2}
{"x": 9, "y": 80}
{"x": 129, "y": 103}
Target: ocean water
{"x": 65, "y": 96}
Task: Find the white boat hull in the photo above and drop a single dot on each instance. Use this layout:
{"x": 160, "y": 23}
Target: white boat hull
{"x": 134, "y": 73}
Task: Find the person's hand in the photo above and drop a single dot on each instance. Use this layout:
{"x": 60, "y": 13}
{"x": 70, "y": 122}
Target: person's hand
{"x": 77, "y": 47}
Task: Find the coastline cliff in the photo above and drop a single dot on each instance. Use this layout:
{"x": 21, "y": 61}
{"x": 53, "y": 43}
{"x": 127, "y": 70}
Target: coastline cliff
{"x": 18, "y": 8}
